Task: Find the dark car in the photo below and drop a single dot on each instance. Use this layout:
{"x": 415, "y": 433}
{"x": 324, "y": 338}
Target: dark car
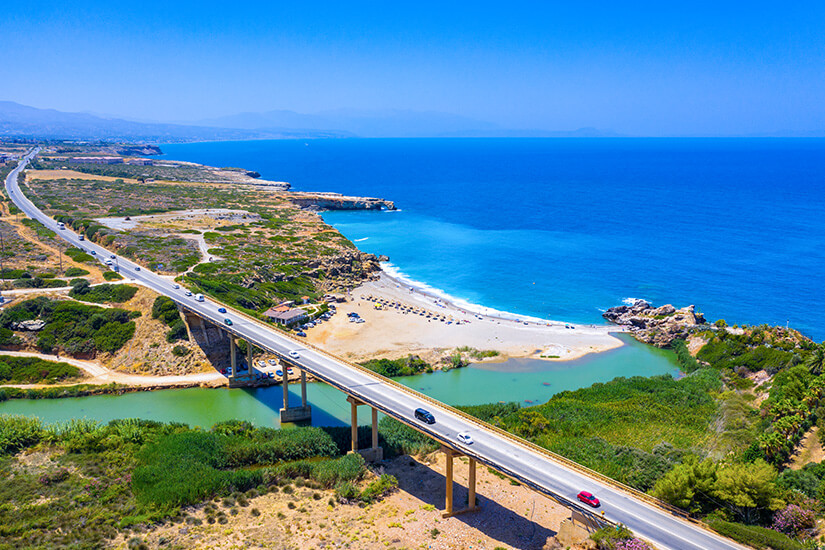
{"x": 425, "y": 416}
{"x": 137, "y": 268}
{"x": 301, "y": 333}
{"x": 221, "y": 310}
{"x": 588, "y": 499}
{"x": 228, "y": 321}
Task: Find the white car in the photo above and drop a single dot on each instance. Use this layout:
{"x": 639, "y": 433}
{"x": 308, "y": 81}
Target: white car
{"x": 294, "y": 354}
{"x": 465, "y": 438}
{"x": 273, "y": 362}
{"x": 177, "y": 286}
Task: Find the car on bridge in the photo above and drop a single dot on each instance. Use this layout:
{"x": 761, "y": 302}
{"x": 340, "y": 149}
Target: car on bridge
{"x": 221, "y": 310}
{"x": 424, "y": 416}
{"x": 294, "y": 354}
{"x": 465, "y": 438}
{"x": 137, "y": 268}
{"x": 228, "y": 322}
{"x": 588, "y": 499}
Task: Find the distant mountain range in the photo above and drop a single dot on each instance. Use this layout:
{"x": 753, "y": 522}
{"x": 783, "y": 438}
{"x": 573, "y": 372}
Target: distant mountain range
{"x": 22, "y": 121}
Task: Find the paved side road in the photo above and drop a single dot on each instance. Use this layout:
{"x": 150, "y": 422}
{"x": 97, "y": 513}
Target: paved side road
{"x": 500, "y": 451}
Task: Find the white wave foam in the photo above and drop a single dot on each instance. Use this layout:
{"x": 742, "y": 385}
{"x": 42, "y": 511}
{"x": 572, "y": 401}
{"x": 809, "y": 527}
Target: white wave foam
{"x": 631, "y": 301}
{"x": 439, "y": 295}
{"x": 360, "y": 240}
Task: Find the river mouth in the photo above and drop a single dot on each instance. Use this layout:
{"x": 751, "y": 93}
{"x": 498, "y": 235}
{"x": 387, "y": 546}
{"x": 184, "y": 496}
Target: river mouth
{"x": 526, "y": 381}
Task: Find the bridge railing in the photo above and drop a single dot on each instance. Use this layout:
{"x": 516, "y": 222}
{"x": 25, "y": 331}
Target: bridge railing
{"x": 503, "y": 433}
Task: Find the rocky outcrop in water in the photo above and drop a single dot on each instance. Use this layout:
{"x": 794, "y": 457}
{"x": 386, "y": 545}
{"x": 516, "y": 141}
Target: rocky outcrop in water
{"x": 657, "y": 326}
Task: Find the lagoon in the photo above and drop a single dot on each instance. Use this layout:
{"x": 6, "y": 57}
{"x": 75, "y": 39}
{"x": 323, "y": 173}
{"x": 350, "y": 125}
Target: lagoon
{"x": 522, "y": 380}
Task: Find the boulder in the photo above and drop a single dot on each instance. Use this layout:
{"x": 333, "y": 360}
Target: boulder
{"x": 31, "y": 326}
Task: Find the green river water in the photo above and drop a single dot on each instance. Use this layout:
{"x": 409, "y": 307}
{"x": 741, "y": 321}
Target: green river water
{"x": 523, "y": 380}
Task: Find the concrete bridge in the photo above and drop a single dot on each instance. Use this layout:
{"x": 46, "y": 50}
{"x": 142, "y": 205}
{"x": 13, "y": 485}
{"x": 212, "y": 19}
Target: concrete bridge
{"x": 555, "y": 476}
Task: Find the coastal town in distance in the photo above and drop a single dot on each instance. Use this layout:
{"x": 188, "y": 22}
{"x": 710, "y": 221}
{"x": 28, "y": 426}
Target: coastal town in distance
{"x": 374, "y": 288}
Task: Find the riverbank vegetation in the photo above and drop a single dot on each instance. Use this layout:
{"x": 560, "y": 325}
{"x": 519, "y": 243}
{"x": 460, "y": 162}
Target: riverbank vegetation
{"x": 403, "y": 366}
{"x": 81, "y": 483}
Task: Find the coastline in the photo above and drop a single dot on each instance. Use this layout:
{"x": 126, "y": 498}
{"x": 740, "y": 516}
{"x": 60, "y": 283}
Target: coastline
{"x": 402, "y": 317}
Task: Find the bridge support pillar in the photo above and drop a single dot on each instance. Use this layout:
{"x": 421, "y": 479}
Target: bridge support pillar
{"x": 374, "y": 453}
{"x": 303, "y": 388}
{"x": 294, "y": 414}
{"x": 249, "y": 359}
{"x": 233, "y": 358}
{"x": 204, "y": 333}
{"x": 449, "y": 509}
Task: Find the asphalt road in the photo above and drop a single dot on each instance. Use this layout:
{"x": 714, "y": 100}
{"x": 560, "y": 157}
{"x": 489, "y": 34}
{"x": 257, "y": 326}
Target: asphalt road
{"x": 665, "y": 530}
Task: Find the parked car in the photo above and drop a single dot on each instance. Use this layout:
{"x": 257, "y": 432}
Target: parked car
{"x": 424, "y": 416}
{"x": 465, "y": 438}
{"x": 221, "y": 310}
{"x": 228, "y": 322}
{"x": 273, "y": 362}
{"x": 262, "y": 364}
{"x": 588, "y": 499}
{"x": 294, "y": 354}
{"x": 301, "y": 333}
{"x": 279, "y": 372}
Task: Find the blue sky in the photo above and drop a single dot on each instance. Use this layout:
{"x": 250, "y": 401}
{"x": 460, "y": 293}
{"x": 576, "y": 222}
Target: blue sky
{"x": 640, "y": 68}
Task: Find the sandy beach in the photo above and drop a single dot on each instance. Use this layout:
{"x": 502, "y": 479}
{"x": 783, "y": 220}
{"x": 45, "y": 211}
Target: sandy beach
{"x": 400, "y": 319}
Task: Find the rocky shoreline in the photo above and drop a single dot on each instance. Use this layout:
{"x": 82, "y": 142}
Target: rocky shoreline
{"x": 657, "y": 326}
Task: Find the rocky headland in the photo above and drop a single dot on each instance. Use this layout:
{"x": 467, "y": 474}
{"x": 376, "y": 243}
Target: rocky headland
{"x": 336, "y": 201}
{"x": 657, "y": 326}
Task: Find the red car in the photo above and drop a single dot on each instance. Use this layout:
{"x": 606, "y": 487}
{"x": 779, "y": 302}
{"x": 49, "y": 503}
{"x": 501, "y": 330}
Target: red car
{"x": 589, "y": 499}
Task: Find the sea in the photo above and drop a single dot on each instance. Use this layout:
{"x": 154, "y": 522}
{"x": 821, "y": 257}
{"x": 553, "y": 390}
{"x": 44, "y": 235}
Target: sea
{"x": 562, "y": 229}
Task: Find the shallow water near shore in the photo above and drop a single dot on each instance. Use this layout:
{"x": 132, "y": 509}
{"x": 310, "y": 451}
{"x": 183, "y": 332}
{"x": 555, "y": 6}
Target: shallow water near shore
{"x": 523, "y": 380}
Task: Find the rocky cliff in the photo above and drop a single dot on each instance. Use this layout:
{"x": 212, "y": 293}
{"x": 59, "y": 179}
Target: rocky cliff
{"x": 334, "y": 201}
{"x": 657, "y": 326}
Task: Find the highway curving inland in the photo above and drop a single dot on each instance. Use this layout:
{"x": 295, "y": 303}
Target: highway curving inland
{"x": 498, "y": 450}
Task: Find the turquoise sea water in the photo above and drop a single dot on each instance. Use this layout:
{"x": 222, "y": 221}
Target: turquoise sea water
{"x": 565, "y": 228}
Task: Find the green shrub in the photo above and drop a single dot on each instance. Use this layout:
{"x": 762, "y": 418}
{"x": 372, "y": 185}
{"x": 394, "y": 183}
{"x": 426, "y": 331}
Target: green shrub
{"x": 180, "y": 351}
{"x": 75, "y": 272}
{"x": 165, "y": 310}
{"x": 404, "y": 366}
{"x": 755, "y": 536}
{"x": 378, "y": 488}
{"x": 104, "y": 293}
{"x": 33, "y": 370}
{"x": 112, "y": 276}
